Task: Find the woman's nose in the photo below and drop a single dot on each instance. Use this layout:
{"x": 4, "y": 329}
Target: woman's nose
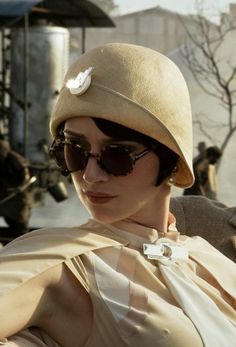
{"x": 94, "y": 173}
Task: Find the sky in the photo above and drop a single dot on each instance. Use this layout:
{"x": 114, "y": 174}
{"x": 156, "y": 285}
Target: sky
{"x": 213, "y": 7}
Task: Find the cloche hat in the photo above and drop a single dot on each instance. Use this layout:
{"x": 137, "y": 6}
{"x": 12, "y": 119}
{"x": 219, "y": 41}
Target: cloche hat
{"x": 136, "y": 87}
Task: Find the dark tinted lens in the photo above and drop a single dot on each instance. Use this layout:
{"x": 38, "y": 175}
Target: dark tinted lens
{"x": 116, "y": 160}
{"x": 75, "y": 158}
{"x": 57, "y": 153}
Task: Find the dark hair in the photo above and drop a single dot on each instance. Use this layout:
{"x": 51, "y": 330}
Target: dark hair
{"x": 213, "y": 151}
{"x": 167, "y": 157}
{"x": 60, "y": 130}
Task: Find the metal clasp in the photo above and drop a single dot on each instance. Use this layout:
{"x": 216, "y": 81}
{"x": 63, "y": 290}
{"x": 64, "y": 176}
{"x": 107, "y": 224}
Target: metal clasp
{"x": 165, "y": 250}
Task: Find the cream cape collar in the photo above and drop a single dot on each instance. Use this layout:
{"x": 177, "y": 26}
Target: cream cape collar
{"x": 37, "y": 251}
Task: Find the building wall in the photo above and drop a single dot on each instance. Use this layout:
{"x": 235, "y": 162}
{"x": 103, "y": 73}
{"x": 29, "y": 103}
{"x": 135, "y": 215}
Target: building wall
{"x": 147, "y": 28}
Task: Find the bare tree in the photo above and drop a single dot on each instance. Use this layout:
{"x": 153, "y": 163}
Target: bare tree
{"x": 212, "y": 67}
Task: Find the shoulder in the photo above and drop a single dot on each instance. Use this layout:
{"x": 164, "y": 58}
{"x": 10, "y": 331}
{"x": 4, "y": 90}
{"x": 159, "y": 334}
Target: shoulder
{"x": 45, "y": 295}
{"x": 53, "y": 241}
{"x": 35, "y": 262}
{"x": 35, "y": 252}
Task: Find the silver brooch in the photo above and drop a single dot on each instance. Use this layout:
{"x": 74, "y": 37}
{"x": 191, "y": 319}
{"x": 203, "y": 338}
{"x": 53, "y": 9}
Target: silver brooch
{"x": 165, "y": 250}
{"x": 81, "y": 83}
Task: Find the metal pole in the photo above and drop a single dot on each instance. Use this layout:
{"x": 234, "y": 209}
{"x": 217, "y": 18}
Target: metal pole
{"x": 2, "y": 78}
{"x": 83, "y": 39}
{"x": 26, "y": 73}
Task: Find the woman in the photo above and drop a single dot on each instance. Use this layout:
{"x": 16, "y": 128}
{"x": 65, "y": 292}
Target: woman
{"x": 122, "y": 128}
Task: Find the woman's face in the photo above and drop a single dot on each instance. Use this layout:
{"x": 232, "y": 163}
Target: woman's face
{"x": 111, "y": 198}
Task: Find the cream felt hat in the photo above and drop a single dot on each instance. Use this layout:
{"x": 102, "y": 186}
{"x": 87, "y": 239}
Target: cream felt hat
{"x": 136, "y": 87}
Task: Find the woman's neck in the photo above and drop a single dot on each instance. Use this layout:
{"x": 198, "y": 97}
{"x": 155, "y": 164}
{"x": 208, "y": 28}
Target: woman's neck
{"x": 155, "y": 214}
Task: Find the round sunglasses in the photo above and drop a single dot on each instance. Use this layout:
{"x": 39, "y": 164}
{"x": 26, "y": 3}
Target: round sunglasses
{"x": 114, "y": 159}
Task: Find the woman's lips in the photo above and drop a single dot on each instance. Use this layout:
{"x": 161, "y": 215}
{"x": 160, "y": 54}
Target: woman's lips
{"x": 98, "y": 198}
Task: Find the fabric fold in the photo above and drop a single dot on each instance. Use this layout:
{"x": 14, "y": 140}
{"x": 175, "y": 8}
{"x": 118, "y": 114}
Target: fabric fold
{"x": 214, "y": 329}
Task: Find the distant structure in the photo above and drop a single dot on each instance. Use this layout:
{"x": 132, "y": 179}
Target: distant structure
{"x": 33, "y": 35}
{"x": 156, "y": 28}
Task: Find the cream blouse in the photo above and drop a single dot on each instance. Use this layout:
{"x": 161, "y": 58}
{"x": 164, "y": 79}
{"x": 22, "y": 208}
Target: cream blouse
{"x": 164, "y": 302}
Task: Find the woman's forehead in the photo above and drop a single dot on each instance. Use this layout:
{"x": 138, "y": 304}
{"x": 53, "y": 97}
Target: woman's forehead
{"x": 84, "y": 127}
{"x": 108, "y": 128}
{"x": 88, "y": 129}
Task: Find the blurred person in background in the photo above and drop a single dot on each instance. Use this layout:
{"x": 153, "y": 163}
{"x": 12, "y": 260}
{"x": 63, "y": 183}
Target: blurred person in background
{"x": 14, "y": 197}
{"x": 201, "y": 147}
{"x": 204, "y": 168}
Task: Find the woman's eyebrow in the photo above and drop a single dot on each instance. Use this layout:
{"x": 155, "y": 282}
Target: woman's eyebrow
{"x": 122, "y": 142}
{"x": 106, "y": 142}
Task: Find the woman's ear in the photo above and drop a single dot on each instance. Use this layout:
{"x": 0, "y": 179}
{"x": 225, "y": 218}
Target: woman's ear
{"x": 171, "y": 180}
